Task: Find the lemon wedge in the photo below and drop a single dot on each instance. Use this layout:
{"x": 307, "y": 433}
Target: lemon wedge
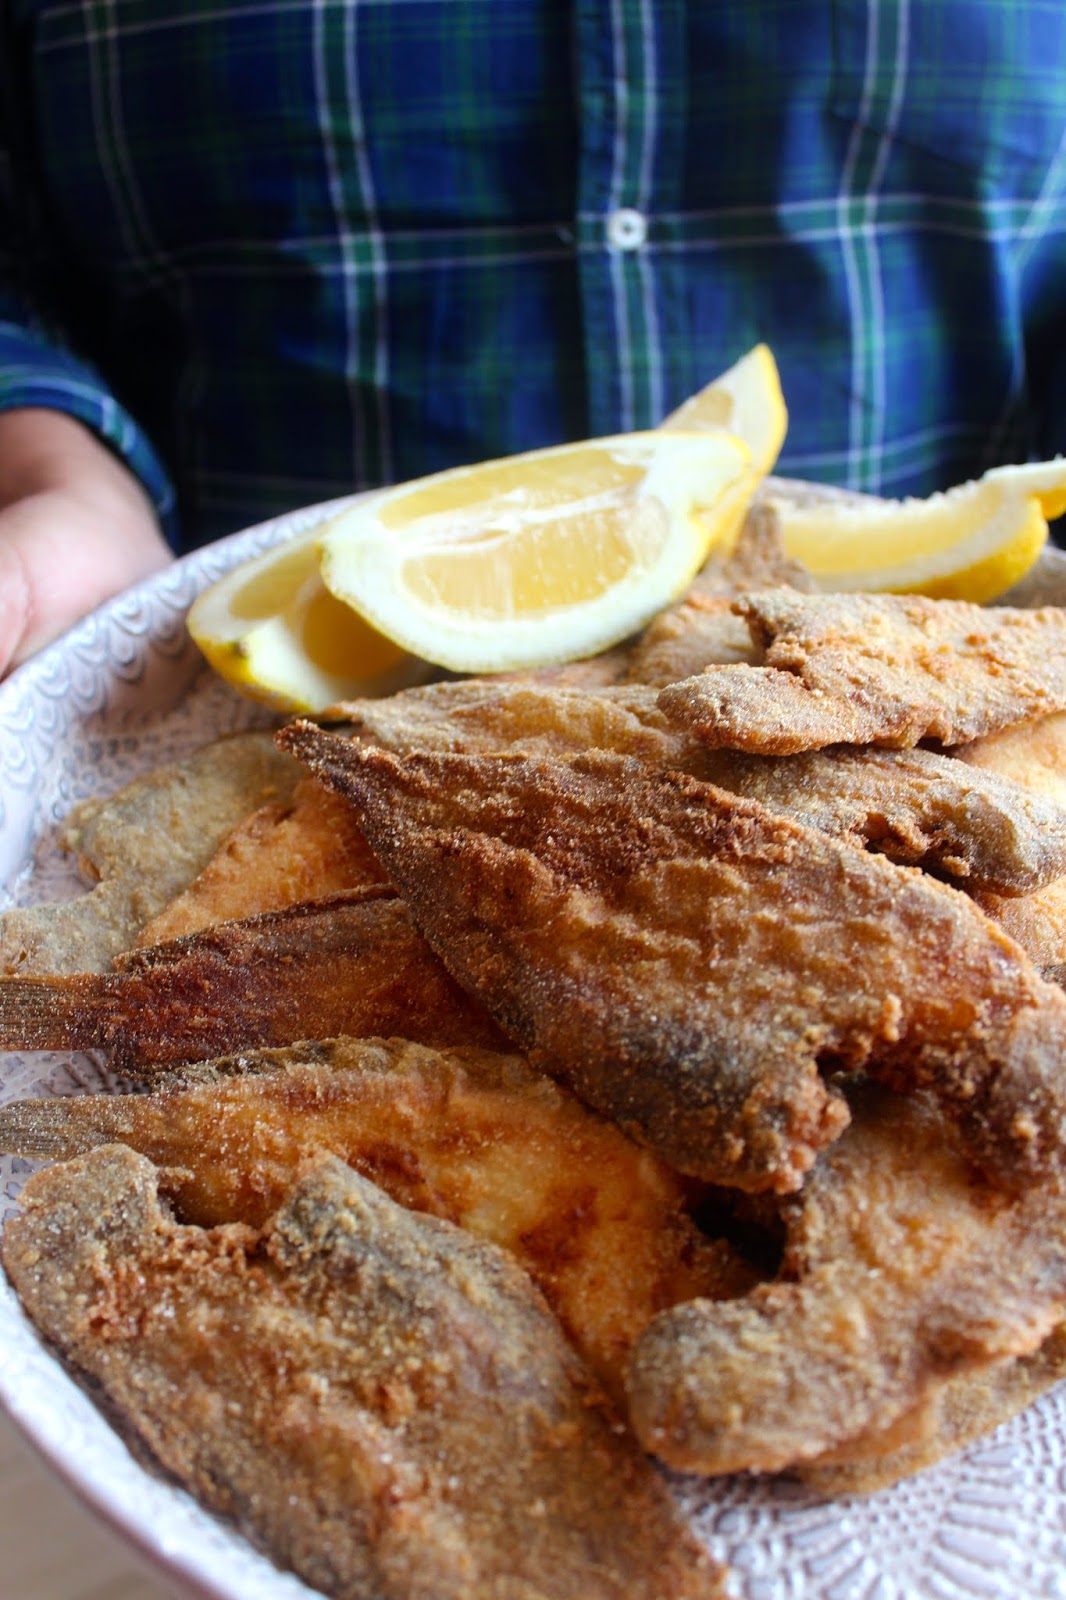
{"x": 271, "y": 628}
{"x": 746, "y": 400}
{"x": 541, "y": 557}
{"x": 970, "y": 543}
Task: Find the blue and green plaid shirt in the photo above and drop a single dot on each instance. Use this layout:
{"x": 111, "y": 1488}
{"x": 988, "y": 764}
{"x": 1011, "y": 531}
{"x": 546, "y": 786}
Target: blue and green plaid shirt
{"x": 274, "y": 250}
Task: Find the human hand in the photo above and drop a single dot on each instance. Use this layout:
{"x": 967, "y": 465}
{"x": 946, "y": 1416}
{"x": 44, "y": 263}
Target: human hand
{"x": 75, "y": 528}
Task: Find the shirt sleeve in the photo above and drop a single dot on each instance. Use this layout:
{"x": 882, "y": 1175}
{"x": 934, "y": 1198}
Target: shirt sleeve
{"x": 37, "y": 367}
{"x": 35, "y": 371}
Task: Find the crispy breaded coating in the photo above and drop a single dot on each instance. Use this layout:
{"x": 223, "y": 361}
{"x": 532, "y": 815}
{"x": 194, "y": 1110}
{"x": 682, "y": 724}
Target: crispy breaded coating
{"x": 141, "y": 847}
{"x": 480, "y": 1139}
{"x": 1032, "y": 754}
{"x": 688, "y": 960}
{"x": 914, "y": 805}
{"x": 701, "y": 631}
{"x": 901, "y": 1272}
{"x": 384, "y": 1402}
{"x": 967, "y": 1408}
{"x": 702, "y": 628}
{"x": 476, "y": 714}
{"x": 1036, "y": 922}
{"x": 350, "y": 964}
{"x": 887, "y": 670}
{"x": 277, "y": 856}
{"x": 1034, "y": 757}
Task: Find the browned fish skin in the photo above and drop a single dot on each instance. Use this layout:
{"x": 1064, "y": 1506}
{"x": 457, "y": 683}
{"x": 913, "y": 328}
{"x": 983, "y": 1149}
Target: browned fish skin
{"x": 685, "y": 959}
{"x": 914, "y": 806}
{"x": 702, "y": 631}
{"x": 142, "y": 846}
{"x": 969, "y": 1407}
{"x": 901, "y": 1273}
{"x": 1033, "y": 756}
{"x": 888, "y": 670}
{"x": 350, "y": 964}
{"x": 276, "y": 856}
{"x": 917, "y": 807}
{"x": 477, "y": 1138}
{"x": 483, "y": 714}
{"x": 385, "y": 1402}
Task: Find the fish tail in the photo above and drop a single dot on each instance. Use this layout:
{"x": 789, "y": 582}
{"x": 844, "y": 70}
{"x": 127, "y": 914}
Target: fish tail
{"x": 53, "y": 1013}
{"x": 61, "y": 1128}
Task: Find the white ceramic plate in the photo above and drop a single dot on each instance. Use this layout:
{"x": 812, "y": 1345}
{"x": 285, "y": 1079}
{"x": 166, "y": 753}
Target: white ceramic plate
{"x": 126, "y": 690}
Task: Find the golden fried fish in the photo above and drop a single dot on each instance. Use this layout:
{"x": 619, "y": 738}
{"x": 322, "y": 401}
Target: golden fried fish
{"x": 915, "y": 806}
{"x": 477, "y": 1138}
{"x": 1034, "y": 757}
{"x": 688, "y": 961}
{"x": 277, "y": 856}
{"x": 349, "y": 964}
{"x": 141, "y": 847}
{"x": 901, "y": 1273}
{"x": 384, "y": 1402}
{"x": 883, "y": 669}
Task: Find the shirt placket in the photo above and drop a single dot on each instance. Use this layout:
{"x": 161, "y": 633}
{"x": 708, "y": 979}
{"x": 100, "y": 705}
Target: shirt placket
{"x": 617, "y": 61}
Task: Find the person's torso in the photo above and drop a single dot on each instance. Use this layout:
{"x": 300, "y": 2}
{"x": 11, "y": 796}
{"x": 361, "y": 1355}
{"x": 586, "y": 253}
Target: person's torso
{"x": 317, "y": 246}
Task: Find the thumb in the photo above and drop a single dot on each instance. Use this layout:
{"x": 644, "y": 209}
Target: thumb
{"x": 60, "y": 558}
{"x": 15, "y": 603}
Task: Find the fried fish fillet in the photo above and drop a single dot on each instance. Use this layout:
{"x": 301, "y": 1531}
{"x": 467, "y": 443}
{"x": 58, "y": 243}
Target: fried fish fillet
{"x": 968, "y": 1408}
{"x": 487, "y": 714}
{"x": 901, "y": 1272}
{"x": 758, "y": 560}
{"x": 1034, "y": 757}
{"x": 277, "y": 856}
{"x": 1036, "y": 922}
{"x": 888, "y": 670}
{"x": 142, "y": 846}
{"x": 914, "y": 806}
{"x": 385, "y": 1402}
{"x": 351, "y": 964}
{"x": 687, "y": 960}
{"x": 917, "y": 807}
{"x": 472, "y": 1136}
{"x": 702, "y": 629}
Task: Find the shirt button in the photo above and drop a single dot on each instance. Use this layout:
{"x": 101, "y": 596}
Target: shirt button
{"x": 627, "y": 229}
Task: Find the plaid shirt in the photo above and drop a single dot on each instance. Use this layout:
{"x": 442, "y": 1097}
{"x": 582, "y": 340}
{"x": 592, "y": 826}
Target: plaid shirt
{"x": 274, "y": 250}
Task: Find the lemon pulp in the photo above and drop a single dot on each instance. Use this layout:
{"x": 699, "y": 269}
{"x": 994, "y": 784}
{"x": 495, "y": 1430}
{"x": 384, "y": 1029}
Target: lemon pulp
{"x": 541, "y": 557}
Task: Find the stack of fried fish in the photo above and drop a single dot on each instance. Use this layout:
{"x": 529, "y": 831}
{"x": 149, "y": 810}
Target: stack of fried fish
{"x": 658, "y": 1057}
